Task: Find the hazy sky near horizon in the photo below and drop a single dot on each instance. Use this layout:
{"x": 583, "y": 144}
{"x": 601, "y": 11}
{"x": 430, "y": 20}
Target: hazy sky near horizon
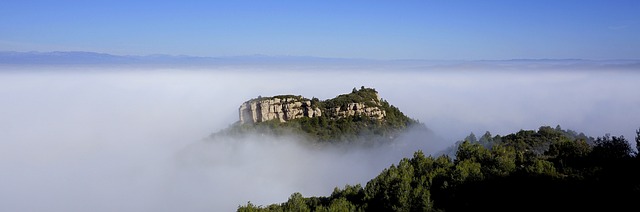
{"x": 585, "y": 29}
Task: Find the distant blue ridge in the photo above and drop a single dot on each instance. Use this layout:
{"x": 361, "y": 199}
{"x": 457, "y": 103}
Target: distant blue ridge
{"x": 95, "y": 58}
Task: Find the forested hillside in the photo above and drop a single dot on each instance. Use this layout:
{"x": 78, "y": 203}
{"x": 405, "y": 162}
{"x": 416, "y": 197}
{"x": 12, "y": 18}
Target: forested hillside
{"x": 549, "y": 169}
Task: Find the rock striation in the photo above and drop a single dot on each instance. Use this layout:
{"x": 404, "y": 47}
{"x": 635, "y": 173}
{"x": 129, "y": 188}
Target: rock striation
{"x": 364, "y": 102}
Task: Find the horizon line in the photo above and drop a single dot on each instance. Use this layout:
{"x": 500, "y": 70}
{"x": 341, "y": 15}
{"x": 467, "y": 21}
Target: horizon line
{"x": 310, "y": 57}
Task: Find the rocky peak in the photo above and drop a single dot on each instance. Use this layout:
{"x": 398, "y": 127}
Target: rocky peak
{"x": 364, "y": 102}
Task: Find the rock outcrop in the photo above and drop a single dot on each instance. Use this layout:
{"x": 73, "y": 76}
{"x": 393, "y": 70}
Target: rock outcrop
{"x": 357, "y": 109}
{"x": 364, "y": 102}
{"x": 283, "y": 109}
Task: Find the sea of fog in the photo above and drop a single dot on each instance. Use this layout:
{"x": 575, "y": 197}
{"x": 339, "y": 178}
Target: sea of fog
{"x": 130, "y": 139}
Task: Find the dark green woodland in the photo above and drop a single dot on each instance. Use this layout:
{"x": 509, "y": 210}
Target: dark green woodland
{"x": 548, "y": 169}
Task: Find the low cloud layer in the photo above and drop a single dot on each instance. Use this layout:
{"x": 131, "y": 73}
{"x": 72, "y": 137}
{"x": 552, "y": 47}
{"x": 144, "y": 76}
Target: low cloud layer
{"x": 131, "y": 140}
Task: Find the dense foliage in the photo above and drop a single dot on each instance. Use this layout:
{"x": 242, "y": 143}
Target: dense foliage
{"x": 366, "y": 95}
{"x": 328, "y": 128}
{"x": 549, "y": 169}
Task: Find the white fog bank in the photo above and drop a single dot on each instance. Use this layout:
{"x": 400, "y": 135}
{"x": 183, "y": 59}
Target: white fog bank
{"x": 130, "y": 140}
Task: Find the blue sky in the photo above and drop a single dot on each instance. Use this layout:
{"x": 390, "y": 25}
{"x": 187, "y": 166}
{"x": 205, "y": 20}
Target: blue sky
{"x": 607, "y": 29}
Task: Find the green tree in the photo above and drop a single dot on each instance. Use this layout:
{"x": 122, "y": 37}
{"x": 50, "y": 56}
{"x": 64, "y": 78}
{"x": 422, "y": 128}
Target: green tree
{"x": 501, "y": 163}
{"x": 354, "y": 194}
{"x": 391, "y": 190}
{"x": 471, "y": 138}
{"x": 341, "y": 205}
{"x": 486, "y": 140}
{"x": 467, "y": 170}
{"x": 569, "y": 155}
{"x": 541, "y": 167}
{"x": 296, "y": 203}
{"x": 611, "y": 148}
{"x": 250, "y": 207}
{"x": 472, "y": 151}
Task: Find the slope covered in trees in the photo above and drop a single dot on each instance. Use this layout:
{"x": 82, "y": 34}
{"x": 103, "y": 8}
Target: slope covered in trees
{"x": 549, "y": 169}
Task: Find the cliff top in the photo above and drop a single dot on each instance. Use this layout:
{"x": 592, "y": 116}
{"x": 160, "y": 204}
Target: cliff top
{"x": 286, "y": 96}
{"x": 362, "y": 95}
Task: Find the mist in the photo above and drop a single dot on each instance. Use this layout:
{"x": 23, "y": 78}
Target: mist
{"x": 113, "y": 139}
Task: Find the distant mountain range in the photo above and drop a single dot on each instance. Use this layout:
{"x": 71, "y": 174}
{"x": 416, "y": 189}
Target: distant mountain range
{"x": 80, "y": 57}
{"x": 94, "y": 58}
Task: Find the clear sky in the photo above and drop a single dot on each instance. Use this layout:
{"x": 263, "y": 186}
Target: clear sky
{"x": 555, "y": 29}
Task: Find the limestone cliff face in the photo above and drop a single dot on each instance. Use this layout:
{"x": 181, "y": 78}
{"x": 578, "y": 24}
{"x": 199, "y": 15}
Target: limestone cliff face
{"x": 357, "y": 109}
{"x": 283, "y": 109}
{"x": 365, "y": 102}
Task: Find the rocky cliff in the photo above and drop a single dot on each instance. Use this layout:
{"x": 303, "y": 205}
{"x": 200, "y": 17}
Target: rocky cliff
{"x": 283, "y": 108}
{"x": 359, "y": 116}
{"x": 364, "y": 102}
{"x": 370, "y": 108}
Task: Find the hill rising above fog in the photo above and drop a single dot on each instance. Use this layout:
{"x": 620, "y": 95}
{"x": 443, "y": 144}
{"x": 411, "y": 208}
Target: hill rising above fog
{"x": 359, "y": 115}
